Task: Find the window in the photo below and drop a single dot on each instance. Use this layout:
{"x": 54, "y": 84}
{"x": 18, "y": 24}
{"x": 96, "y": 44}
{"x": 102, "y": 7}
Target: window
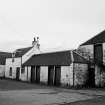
{"x": 13, "y": 59}
{"x": 10, "y": 71}
{"x": 18, "y": 68}
{"x": 23, "y": 70}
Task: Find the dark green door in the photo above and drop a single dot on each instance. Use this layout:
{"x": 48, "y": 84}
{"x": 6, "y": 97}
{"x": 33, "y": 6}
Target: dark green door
{"x": 98, "y": 53}
{"x": 37, "y": 74}
{"x": 17, "y": 73}
{"x": 32, "y": 74}
{"x": 51, "y": 75}
{"x": 57, "y": 75}
{"x": 91, "y": 81}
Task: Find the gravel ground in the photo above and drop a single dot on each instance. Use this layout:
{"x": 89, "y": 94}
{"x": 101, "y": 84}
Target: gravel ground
{"x": 20, "y": 93}
{"x": 94, "y": 101}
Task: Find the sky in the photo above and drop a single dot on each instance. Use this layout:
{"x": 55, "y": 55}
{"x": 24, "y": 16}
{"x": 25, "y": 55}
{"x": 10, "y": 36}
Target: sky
{"x": 60, "y": 24}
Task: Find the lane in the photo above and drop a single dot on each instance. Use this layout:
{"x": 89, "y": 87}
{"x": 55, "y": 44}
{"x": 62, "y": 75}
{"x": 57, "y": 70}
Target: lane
{"x": 19, "y": 93}
{"x": 94, "y": 101}
{"x": 39, "y": 97}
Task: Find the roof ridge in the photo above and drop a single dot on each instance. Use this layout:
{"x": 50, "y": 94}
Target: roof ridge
{"x": 98, "y": 34}
{"x": 4, "y": 52}
{"x": 23, "y": 48}
{"x": 53, "y": 52}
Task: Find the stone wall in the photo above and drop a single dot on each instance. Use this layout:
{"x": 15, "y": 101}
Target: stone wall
{"x": 80, "y": 74}
{"x": 99, "y": 76}
{"x": 67, "y": 75}
{"x": 14, "y": 65}
{"x": 86, "y": 51}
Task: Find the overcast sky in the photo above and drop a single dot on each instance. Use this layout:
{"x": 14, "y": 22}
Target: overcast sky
{"x": 58, "y": 23}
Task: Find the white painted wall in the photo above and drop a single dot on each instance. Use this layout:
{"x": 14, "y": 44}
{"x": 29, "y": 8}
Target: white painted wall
{"x": 44, "y": 74}
{"x": 26, "y": 76}
{"x": 17, "y": 63}
{"x": 30, "y": 53}
{"x": 34, "y": 50}
{"x": 2, "y": 70}
{"x": 29, "y": 73}
{"x": 67, "y": 75}
{"x": 80, "y": 74}
{"x": 14, "y": 65}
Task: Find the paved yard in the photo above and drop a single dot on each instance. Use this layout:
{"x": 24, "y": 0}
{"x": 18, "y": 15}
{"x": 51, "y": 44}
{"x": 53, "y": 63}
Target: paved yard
{"x": 18, "y": 93}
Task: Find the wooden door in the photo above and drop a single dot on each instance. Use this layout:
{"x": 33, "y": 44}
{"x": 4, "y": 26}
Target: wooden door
{"x": 17, "y": 73}
{"x": 51, "y": 75}
{"x": 37, "y": 74}
{"x": 98, "y": 53}
{"x": 57, "y": 75}
{"x": 32, "y": 74}
{"x": 91, "y": 75}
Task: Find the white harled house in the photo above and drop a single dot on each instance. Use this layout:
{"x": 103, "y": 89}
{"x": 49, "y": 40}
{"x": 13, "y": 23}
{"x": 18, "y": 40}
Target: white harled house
{"x": 13, "y": 67}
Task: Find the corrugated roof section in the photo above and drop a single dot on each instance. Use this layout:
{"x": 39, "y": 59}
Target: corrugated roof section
{"x": 100, "y": 38}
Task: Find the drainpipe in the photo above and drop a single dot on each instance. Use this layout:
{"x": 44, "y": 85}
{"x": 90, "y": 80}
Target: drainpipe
{"x": 54, "y": 77}
{"x": 27, "y": 73}
{"x": 72, "y": 58}
{"x": 21, "y": 61}
{"x": 20, "y": 69}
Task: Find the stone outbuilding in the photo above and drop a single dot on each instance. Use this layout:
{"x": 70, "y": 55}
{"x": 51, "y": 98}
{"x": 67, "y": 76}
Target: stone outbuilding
{"x": 94, "y": 51}
{"x": 66, "y": 68}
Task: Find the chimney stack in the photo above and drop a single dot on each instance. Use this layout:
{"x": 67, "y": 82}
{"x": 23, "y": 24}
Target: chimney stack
{"x": 36, "y": 42}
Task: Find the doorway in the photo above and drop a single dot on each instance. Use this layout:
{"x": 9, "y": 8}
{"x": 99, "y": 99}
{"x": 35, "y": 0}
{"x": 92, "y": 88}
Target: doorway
{"x": 51, "y": 75}
{"x": 37, "y": 74}
{"x": 32, "y": 74}
{"x": 91, "y": 75}
{"x": 57, "y": 75}
{"x": 17, "y": 73}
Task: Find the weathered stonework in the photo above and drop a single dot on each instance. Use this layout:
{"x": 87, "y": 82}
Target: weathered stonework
{"x": 86, "y": 51}
{"x": 80, "y": 74}
{"x": 99, "y": 76}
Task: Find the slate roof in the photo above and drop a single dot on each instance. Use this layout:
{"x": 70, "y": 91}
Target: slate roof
{"x": 99, "y": 38}
{"x": 3, "y": 56}
{"x": 20, "y": 52}
{"x": 55, "y": 58}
